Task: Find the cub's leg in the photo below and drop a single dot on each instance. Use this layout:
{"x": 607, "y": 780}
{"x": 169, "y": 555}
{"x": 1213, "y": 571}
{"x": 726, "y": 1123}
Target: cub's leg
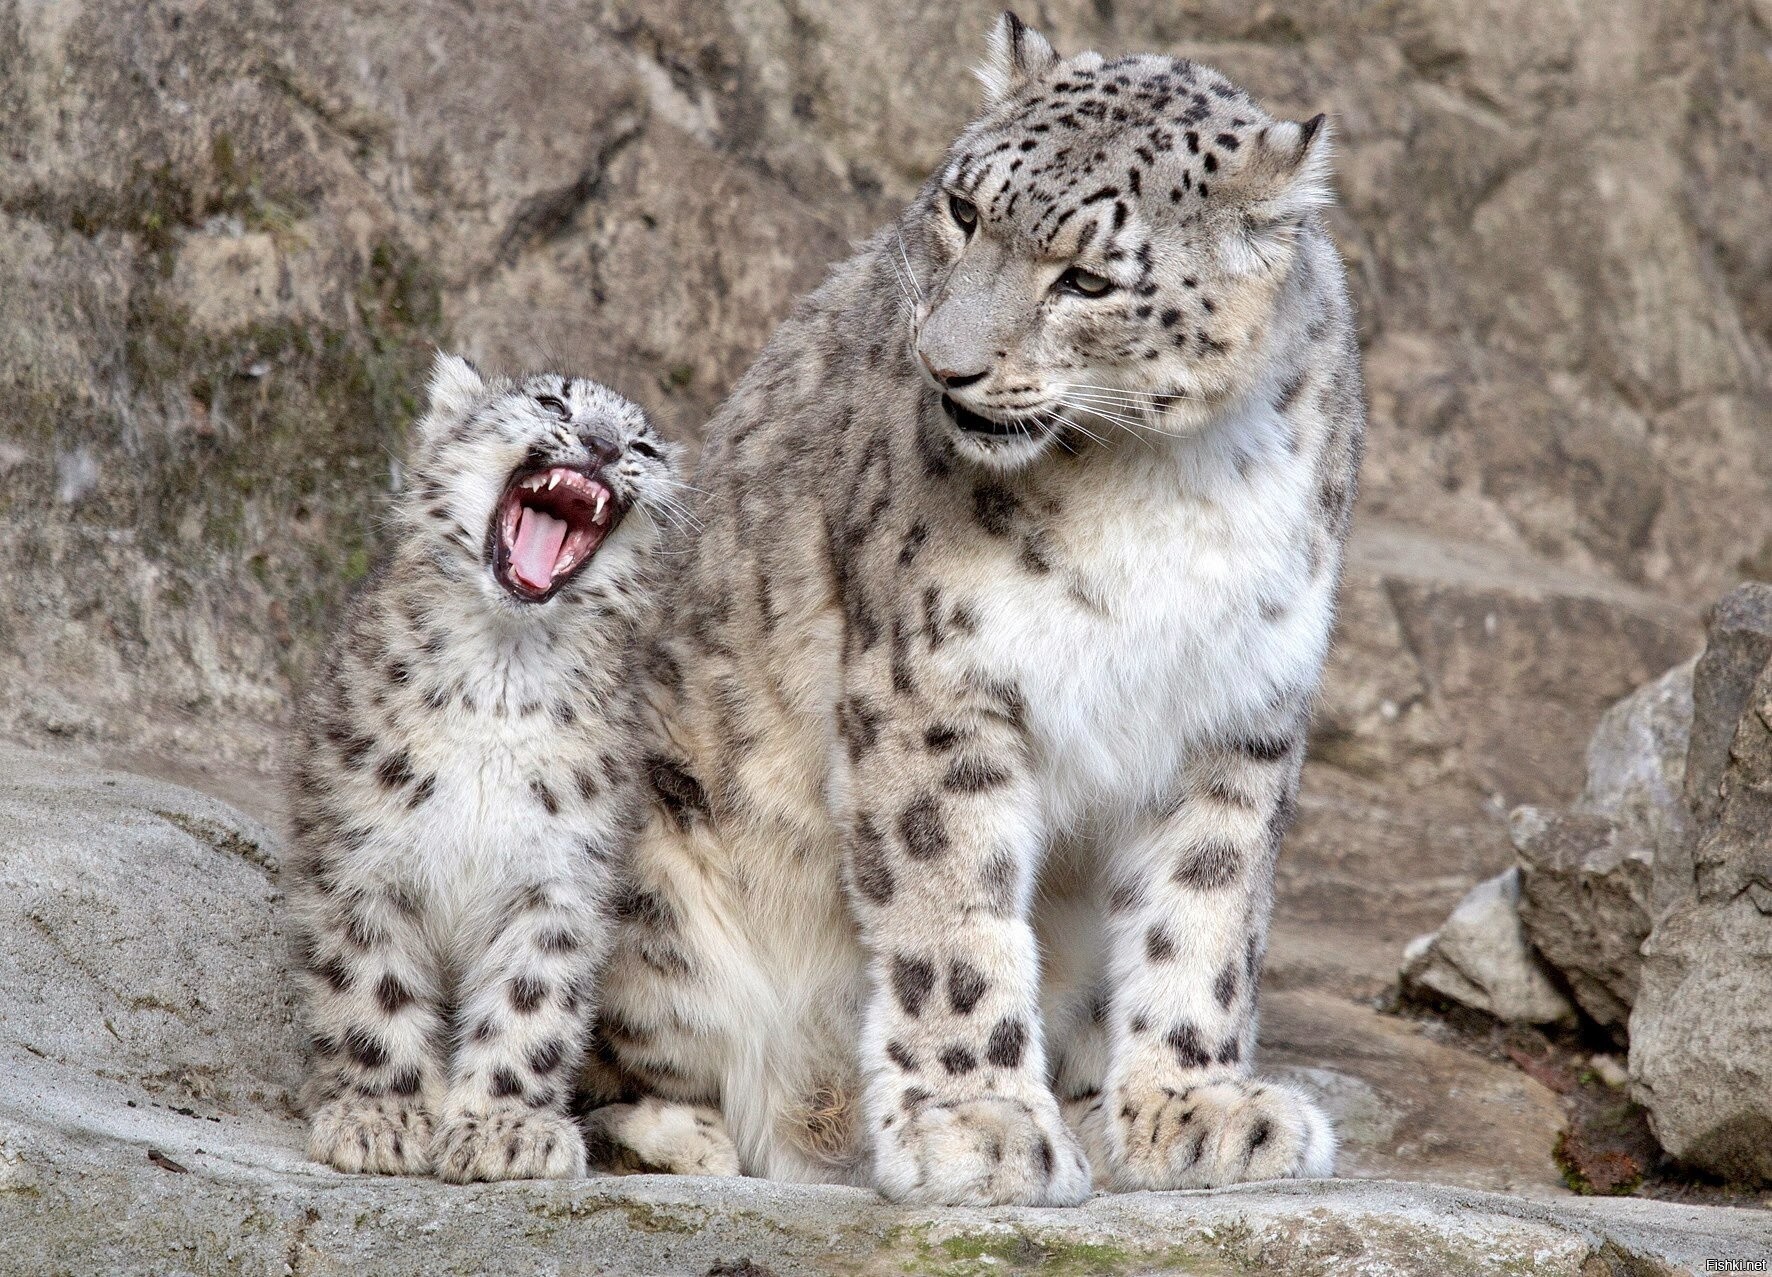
{"x": 526, "y": 1005}
{"x": 374, "y": 1011}
{"x": 941, "y": 844}
{"x": 662, "y": 1137}
{"x": 1188, "y": 906}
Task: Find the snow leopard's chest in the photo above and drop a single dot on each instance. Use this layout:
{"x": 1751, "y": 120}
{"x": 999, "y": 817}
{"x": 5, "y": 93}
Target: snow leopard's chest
{"x": 1163, "y": 619}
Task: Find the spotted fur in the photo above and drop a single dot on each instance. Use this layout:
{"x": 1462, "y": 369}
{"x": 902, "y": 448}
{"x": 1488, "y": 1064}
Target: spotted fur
{"x": 464, "y": 786}
{"x": 993, "y": 665}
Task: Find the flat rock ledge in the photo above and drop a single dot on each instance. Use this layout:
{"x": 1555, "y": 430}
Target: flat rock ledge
{"x": 148, "y": 1050}
{"x": 87, "y": 1189}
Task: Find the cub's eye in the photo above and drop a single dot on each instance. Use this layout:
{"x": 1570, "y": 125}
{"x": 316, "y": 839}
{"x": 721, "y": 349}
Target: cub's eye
{"x": 644, "y": 449}
{"x": 554, "y": 406}
{"x": 964, "y": 212}
{"x": 1084, "y": 283}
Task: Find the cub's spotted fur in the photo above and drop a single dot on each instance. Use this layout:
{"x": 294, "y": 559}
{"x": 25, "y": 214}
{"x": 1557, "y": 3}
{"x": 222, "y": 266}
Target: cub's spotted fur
{"x": 988, "y": 681}
{"x": 465, "y": 783}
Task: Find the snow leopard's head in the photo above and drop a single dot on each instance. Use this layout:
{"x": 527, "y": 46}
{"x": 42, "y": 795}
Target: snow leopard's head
{"x": 528, "y": 482}
{"x": 1106, "y": 245}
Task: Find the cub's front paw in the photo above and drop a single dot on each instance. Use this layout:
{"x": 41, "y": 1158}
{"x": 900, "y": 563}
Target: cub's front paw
{"x": 989, "y": 1151}
{"x": 526, "y": 1144}
{"x": 374, "y": 1136}
{"x": 658, "y": 1137}
{"x": 1221, "y": 1132}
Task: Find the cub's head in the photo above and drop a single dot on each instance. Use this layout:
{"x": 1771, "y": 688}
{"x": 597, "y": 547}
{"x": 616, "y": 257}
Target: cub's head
{"x": 527, "y": 483}
{"x": 1105, "y": 246}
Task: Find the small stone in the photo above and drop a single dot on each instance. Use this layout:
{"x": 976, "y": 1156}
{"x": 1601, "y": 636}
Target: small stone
{"x": 1481, "y": 958}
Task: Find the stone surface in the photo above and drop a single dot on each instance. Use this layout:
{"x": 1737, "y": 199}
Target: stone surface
{"x": 1701, "y": 1029}
{"x": 1588, "y": 892}
{"x": 1481, "y": 958}
{"x": 147, "y": 1053}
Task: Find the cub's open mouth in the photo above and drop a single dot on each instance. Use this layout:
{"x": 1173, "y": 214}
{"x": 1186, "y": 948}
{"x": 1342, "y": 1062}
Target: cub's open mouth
{"x": 547, "y": 526}
{"x": 973, "y": 423}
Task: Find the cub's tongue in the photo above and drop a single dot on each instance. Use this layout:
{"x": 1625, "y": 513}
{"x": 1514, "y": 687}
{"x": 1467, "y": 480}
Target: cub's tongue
{"x": 537, "y": 547}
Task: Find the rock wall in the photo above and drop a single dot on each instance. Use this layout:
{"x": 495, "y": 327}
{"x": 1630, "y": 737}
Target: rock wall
{"x": 229, "y": 234}
{"x": 1701, "y": 1026}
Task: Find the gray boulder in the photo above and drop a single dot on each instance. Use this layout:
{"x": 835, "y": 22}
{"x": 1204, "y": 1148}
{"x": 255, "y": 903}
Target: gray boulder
{"x": 147, "y": 1052}
{"x": 1588, "y": 874}
{"x": 1701, "y": 1029}
{"x": 1481, "y": 958}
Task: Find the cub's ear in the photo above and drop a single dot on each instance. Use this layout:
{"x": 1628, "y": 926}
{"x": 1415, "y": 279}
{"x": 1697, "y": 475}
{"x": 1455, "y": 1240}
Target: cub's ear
{"x": 1017, "y": 54}
{"x": 1288, "y": 171}
{"x": 454, "y": 388}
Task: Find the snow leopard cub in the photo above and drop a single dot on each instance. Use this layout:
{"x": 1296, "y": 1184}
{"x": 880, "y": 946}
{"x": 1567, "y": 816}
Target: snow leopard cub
{"x": 464, "y": 782}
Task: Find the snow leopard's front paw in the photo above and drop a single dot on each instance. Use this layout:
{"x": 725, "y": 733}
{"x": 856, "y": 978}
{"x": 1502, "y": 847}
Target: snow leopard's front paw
{"x": 990, "y": 1151}
{"x": 659, "y": 1137}
{"x": 382, "y": 1135}
{"x": 1220, "y": 1132}
{"x": 507, "y": 1144}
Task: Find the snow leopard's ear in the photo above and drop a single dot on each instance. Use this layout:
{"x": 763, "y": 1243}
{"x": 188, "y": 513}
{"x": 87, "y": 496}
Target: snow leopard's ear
{"x": 1017, "y": 54}
{"x": 455, "y": 386}
{"x": 1286, "y": 173}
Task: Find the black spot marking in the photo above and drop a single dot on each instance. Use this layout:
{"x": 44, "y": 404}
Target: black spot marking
{"x": 994, "y": 506}
{"x": 364, "y": 1048}
{"x": 873, "y": 877}
{"x": 901, "y": 1055}
{"x": 912, "y": 981}
{"x": 391, "y": 995}
{"x": 1007, "y": 1043}
{"x": 544, "y": 795}
{"x": 925, "y": 837}
{"x": 404, "y": 1083}
{"x": 504, "y": 1084}
{"x": 1230, "y": 1052}
{"x": 957, "y": 1060}
{"x": 679, "y": 794}
{"x": 941, "y": 737}
{"x": 546, "y": 1057}
{"x": 971, "y": 775}
{"x": 1209, "y": 866}
{"x": 1159, "y": 945}
{"x": 1125, "y": 897}
{"x": 1225, "y": 987}
{"x": 913, "y": 542}
{"x": 395, "y": 771}
{"x": 334, "y": 972}
{"x": 1184, "y": 1040}
{"x": 526, "y": 993}
{"x": 966, "y": 985}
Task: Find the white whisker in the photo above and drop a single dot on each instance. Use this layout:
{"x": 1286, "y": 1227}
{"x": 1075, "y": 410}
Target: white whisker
{"x": 909, "y": 273}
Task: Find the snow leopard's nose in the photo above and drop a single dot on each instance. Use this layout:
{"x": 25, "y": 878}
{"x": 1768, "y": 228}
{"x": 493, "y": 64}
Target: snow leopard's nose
{"x": 950, "y": 379}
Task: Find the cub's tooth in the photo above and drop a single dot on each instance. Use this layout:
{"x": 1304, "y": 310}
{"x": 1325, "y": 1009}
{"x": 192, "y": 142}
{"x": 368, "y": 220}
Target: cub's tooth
{"x": 602, "y": 500}
{"x": 563, "y": 562}
{"x": 553, "y": 480}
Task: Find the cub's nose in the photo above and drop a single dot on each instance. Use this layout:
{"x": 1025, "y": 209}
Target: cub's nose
{"x": 603, "y": 450}
{"x": 950, "y": 379}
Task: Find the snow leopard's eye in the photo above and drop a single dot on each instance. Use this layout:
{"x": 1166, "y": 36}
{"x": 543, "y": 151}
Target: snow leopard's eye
{"x": 1084, "y": 283}
{"x": 644, "y": 449}
{"x": 555, "y": 406}
{"x": 964, "y": 212}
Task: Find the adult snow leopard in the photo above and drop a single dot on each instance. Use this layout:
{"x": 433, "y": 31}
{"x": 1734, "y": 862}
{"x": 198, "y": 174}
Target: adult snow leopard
{"x": 986, "y": 687}
{"x": 466, "y": 782}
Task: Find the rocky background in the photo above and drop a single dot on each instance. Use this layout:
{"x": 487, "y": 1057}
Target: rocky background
{"x": 231, "y": 233}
